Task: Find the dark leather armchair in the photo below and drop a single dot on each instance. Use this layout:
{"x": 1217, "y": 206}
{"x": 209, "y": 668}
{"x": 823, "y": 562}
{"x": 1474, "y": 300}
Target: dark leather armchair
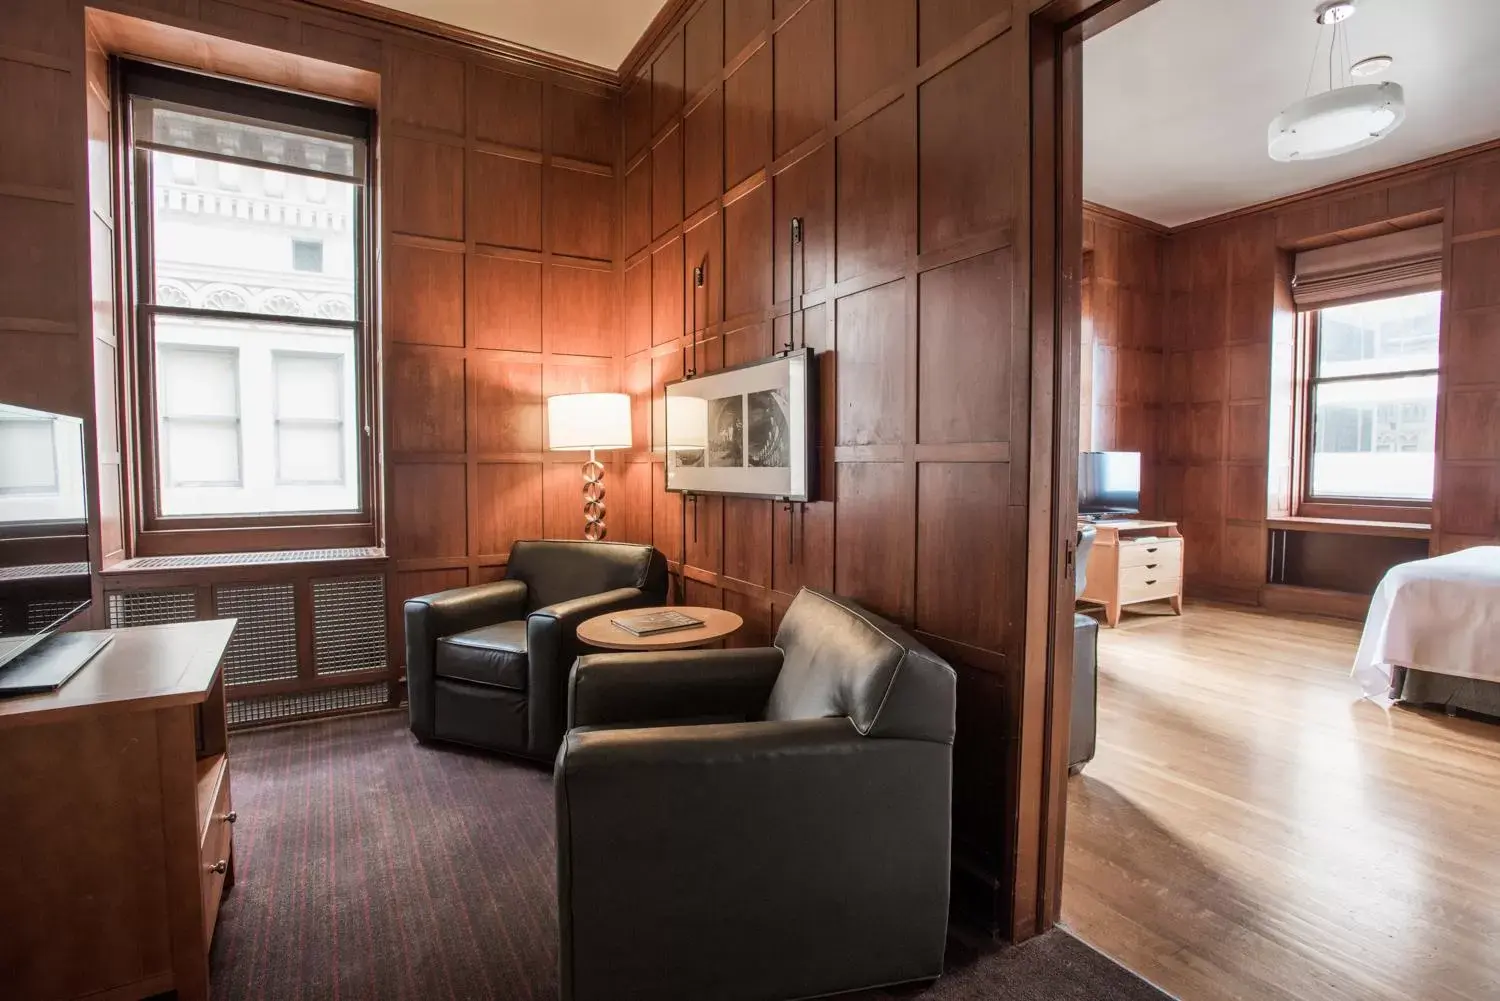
{"x": 1085, "y": 711}
{"x": 750, "y": 825}
{"x": 488, "y": 665}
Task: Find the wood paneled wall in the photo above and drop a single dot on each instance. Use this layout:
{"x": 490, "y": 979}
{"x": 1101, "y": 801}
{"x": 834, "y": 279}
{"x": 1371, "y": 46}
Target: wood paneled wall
{"x": 1227, "y": 304}
{"x": 501, "y": 289}
{"x": 499, "y": 277}
{"x": 895, "y": 130}
{"x": 1124, "y": 316}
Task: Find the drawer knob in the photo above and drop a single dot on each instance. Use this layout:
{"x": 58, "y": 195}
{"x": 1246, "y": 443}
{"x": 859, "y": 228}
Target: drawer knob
{"x": 231, "y": 816}
{"x": 1150, "y": 582}
{"x": 1150, "y": 549}
{"x": 220, "y": 866}
{"x": 1149, "y": 566}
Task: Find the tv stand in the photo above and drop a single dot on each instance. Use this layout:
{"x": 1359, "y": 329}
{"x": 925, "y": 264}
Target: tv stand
{"x": 1133, "y": 561}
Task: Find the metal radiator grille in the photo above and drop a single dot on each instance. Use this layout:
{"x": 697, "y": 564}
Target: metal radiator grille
{"x": 264, "y": 646}
{"x": 151, "y": 608}
{"x": 276, "y": 708}
{"x": 248, "y": 559}
{"x": 40, "y": 614}
{"x": 349, "y": 624}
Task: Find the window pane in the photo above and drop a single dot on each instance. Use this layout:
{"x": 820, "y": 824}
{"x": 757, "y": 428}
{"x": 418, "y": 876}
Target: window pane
{"x": 28, "y": 456}
{"x": 309, "y": 387}
{"x": 252, "y": 240}
{"x": 197, "y": 381}
{"x": 200, "y": 453}
{"x": 1387, "y": 335}
{"x": 296, "y": 448}
{"x": 309, "y": 453}
{"x": 1374, "y": 438}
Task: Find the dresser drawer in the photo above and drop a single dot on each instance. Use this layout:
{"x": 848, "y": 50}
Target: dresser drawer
{"x": 1147, "y": 584}
{"x": 213, "y": 854}
{"x": 1160, "y": 554}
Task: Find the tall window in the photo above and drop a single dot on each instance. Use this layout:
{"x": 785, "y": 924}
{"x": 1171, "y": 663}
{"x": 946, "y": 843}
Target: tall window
{"x": 250, "y": 246}
{"x": 1373, "y": 400}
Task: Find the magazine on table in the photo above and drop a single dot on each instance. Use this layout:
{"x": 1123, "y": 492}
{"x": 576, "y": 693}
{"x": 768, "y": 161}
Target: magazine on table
{"x": 651, "y": 623}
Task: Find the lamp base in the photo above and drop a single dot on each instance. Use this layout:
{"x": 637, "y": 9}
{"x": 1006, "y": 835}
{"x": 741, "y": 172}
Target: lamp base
{"x": 593, "y": 499}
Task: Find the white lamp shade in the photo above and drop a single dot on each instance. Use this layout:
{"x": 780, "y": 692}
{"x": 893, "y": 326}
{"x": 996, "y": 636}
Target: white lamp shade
{"x": 1336, "y": 121}
{"x": 687, "y": 422}
{"x": 578, "y": 422}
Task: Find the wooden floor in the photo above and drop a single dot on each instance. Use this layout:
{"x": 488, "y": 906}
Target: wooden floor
{"x": 1250, "y": 829}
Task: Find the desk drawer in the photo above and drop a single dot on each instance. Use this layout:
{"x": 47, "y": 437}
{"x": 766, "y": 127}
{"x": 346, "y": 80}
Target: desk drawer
{"x": 214, "y": 854}
{"x": 1147, "y": 584}
{"x": 1160, "y": 554}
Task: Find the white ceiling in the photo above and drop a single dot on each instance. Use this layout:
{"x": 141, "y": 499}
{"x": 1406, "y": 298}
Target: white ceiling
{"x": 595, "y": 31}
{"x": 1177, "y": 98}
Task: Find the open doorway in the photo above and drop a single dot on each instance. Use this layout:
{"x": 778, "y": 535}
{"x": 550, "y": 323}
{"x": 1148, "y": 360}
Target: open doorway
{"x": 1286, "y": 352}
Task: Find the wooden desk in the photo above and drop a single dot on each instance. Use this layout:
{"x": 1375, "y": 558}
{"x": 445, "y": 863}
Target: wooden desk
{"x": 1132, "y": 562}
{"x": 717, "y": 624}
{"x": 115, "y": 842}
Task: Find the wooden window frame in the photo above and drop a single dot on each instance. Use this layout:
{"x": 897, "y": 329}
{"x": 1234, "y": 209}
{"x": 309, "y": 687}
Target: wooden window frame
{"x": 155, "y": 534}
{"x": 1308, "y": 504}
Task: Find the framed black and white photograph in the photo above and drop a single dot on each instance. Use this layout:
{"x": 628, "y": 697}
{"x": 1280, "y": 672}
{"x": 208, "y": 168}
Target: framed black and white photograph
{"x": 745, "y": 430}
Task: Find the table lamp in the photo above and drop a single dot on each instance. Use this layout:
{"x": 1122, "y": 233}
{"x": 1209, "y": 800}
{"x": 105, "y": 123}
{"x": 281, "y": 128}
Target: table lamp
{"x": 588, "y": 422}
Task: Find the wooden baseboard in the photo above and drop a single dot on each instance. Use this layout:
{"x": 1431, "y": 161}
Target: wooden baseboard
{"x": 1315, "y": 601}
{"x": 1212, "y": 590}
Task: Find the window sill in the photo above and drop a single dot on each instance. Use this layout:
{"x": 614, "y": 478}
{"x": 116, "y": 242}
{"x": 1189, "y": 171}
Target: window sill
{"x": 1353, "y": 526}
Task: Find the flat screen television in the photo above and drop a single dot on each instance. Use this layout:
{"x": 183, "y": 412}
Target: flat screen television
{"x": 745, "y": 431}
{"x": 1109, "y": 484}
{"x": 44, "y": 539}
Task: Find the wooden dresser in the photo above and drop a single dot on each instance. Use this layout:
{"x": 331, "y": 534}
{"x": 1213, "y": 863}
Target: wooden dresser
{"x": 1131, "y": 562}
{"x": 115, "y": 821}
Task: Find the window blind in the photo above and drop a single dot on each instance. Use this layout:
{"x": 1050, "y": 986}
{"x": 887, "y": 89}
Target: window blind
{"x": 1395, "y": 264}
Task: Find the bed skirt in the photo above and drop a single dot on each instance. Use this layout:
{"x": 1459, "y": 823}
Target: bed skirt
{"x": 1444, "y": 691}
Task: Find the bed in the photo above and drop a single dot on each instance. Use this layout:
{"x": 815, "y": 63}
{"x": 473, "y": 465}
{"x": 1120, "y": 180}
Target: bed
{"x": 1432, "y": 636}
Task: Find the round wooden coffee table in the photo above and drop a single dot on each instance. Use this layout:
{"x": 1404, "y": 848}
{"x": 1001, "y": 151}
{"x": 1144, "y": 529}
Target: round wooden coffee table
{"x": 717, "y": 624}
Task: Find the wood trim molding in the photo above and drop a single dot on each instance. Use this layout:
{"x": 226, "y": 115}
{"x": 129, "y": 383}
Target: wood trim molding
{"x": 388, "y": 17}
{"x": 1336, "y": 187}
{"x": 665, "y": 22}
{"x": 1120, "y": 216}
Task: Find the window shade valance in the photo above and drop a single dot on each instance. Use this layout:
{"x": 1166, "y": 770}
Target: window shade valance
{"x": 1396, "y": 264}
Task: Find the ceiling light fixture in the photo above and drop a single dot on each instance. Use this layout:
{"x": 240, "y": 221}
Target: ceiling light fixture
{"x": 1334, "y": 12}
{"x": 1373, "y": 66}
{"x": 1345, "y": 117}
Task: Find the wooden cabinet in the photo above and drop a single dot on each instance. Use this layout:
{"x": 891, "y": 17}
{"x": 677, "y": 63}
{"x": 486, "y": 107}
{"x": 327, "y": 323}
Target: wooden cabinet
{"x": 1132, "y": 562}
{"x": 116, "y": 843}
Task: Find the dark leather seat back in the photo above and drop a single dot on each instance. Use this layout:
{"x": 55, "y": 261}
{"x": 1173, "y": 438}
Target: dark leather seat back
{"x": 1086, "y": 535}
{"x": 557, "y": 570}
{"x": 840, "y": 660}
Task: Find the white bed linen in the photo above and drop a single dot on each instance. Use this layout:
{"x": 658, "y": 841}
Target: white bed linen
{"x": 1440, "y": 615}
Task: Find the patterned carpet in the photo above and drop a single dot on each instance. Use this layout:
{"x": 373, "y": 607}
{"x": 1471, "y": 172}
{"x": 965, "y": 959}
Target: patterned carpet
{"x": 370, "y": 867}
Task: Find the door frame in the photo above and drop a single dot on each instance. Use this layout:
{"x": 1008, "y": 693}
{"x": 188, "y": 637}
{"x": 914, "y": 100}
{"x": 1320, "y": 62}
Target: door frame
{"x": 1056, "y": 31}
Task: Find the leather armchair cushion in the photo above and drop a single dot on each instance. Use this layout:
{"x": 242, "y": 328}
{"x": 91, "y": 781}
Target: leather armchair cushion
{"x": 558, "y": 571}
{"x": 841, "y": 660}
{"x": 489, "y": 655}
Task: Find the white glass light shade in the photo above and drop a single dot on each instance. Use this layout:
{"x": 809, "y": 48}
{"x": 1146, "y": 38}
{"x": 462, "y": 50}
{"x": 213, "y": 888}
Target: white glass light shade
{"x": 1336, "y": 121}
{"x": 687, "y": 422}
{"x": 577, "y": 422}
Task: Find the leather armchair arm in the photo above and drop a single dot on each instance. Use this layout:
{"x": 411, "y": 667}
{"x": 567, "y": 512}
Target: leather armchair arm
{"x": 434, "y": 616}
{"x": 795, "y": 832}
{"x": 552, "y": 646}
{"x": 613, "y": 688}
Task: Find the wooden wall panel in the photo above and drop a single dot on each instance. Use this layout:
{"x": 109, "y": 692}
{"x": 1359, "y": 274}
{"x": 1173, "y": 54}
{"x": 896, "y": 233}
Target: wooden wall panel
{"x": 876, "y": 190}
{"x": 426, "y": 292}
{"x": 506, "y": 207}
{"x": 504, "y": 304}
{"x": 507, "y": 108}
{"x": 1123, "y": 355}
{"x": 818, "y": 111}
